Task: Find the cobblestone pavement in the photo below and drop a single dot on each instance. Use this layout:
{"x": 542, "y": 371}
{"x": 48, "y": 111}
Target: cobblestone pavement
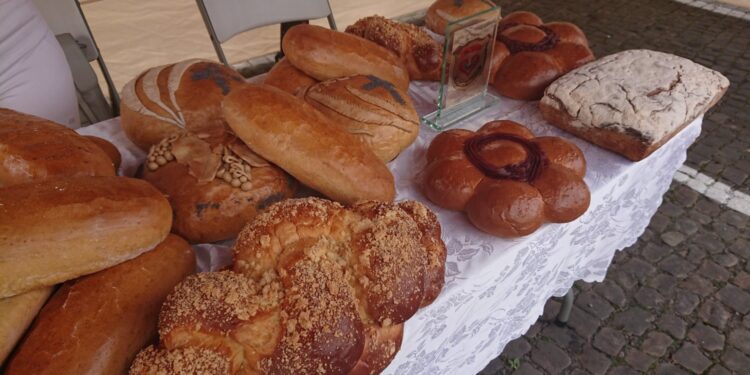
{"x": 678, "y": 301}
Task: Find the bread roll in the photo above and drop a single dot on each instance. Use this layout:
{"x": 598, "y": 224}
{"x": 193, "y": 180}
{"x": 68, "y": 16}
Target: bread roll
{"x": 288, "y": 78}
{"x": 295, "y": 136}
{"x": 108, "y": 149}
{"x": 35, "y": 149}
{"x": 17, "y": 313}
{"x": 57, "y": 230}
{"x": 379, "y": 114}
{"x": 97, "y": 324}
{"x": 442, "y": 12}
{"x": 325, "y": 54}
{"x": 176, "y": 97}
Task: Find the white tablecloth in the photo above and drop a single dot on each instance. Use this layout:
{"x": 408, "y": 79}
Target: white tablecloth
{"x": 496, "y": 288}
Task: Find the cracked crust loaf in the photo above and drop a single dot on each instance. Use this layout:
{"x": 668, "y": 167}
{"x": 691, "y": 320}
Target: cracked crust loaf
{"x": 632, "y": 102}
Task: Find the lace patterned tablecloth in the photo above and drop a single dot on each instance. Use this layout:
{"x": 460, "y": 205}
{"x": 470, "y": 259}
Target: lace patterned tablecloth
{"x": 496, "y": 288}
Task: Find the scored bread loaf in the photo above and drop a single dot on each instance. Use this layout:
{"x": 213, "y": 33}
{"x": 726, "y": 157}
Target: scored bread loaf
{"x": 632, "y": 102}
{"x": 325, "y": 54}
{"x": 316, "y": 288}
{"x": 35, "y": 149}
{"x": 288, "y": 78}
{"x": 374, "y": 110}
{"x": 57, "y": 230}
{"x": 17, "y": 313}
{"x": 176, "y": 97}
{"x": 290, "y": 133}
{"x": 97, "y": 324}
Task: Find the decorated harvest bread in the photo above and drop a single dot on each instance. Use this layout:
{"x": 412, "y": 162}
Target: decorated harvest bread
{"x": 325, "y": 54}
{"x": 422, "y": 55}
{"x": 374, "y": 110}
{"x": 288, "y": 78}
{"x": 96, "y": 324}
{"x": 441, "y": 12}
{"x": 632, "y": 102}
{"x": 34, "y": 149}
{"x": 530, "y": 54}
{"x": 292, "y": 134}
{"x": 17, "y": 313}
{"x": 176, "y": 97}
{"x": 214, "y": 189}
{"x": 57, "y": 230}
{"x": 506, "y": 180}
{"x": 316, "y": 288}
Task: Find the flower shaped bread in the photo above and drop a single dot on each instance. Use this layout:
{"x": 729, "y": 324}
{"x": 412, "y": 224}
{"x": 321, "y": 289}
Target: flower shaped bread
{"x": 506, "y": 180}
{"x": 529, "y": 55}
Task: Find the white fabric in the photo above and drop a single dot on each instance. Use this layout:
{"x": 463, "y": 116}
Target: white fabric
{"x": 34, "y": 75}
{"x": 496, "y": 288}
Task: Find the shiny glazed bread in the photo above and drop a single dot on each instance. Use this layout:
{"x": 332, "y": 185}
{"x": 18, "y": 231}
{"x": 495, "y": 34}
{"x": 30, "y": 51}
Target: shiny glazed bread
{"x": 285, "y": 76}
{"x": 506, "y": 180}
{"x": 316, "y": 288}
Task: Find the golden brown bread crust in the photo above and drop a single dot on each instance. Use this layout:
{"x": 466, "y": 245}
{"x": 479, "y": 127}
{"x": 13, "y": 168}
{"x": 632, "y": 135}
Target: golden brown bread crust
{"x": 214, "y": 209}
{"x": 292, "y": 134}
{"x": 441, "y": 12}
{"x": 183, "y": 96}
{"x": 422, "y": 55}
{"x": 34, "y": 149}
{"x": 57, "y": 230}
{"x": 316, "y": 287}
{"x": 108, "y": 149}
{"x": 535, "y": 54}
{"x": 376, "y": 112}
{"x": 285, "y": 76}
{"x": 96, "y": 324}
{"x": 325, "y": 54}
{"x": 507, "y": 181}
{"x": 18, "y": 312}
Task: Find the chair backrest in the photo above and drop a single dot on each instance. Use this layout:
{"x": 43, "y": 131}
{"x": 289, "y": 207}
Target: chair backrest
{"x": 65, "y": 17}
{"x": 231, "y": 17}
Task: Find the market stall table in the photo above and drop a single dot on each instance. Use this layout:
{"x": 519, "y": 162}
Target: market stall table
{"x": 496, "y": 288}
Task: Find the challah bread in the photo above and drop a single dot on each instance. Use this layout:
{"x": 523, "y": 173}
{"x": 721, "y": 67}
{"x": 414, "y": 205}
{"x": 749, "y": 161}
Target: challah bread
{"x": 372, "y": 109}
{"x": 316, "y": 288}
{"x": 57, "y": 230}
{"x": 325, "y": 54}
{"x": 506, "y": 180}
{"x": 175, "y": 97}
{"x": 97, "y": 324}
{"x": 285, "y": 76}
{"x": 214, "y": 189}
{"x": 422, "y": 55}
{"x": 34, "y": 149}
{"x": 290, "y": 133}
{"x": 17, "y": 313}
{"x": 442, "y": 12}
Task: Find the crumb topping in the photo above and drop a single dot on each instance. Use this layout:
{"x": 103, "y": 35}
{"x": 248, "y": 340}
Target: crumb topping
{"x": 182, "y": 361}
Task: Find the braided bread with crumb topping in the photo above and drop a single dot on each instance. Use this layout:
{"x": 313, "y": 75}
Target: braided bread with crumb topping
{"x": 316, "y": 288}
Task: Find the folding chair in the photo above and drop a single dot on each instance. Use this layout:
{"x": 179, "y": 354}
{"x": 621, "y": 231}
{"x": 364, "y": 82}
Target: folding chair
{"x": 226, "y": 18}
{"x": 67, "y": 21}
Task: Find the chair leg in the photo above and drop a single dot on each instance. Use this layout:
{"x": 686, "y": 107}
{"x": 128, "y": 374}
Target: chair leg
{"x": 567, "y": 306}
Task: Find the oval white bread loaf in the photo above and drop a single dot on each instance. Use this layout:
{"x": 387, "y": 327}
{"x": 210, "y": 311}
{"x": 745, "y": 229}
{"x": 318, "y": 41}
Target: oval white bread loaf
{"x": 292, "y": 134}
{"x": 97, "y": 324}
{"x": 325, "y": 54}
{"x": 17, "y": 313}
{"x": 57, "y": 230}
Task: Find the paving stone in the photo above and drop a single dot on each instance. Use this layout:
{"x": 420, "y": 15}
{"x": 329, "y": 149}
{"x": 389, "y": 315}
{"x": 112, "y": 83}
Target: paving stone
{"x": 594, "y": 304}
{"x": 695, "y": 254}
{"x": 686, "y": 226}
{"x": 564, "y": 337}
{"x": 639, "y": 360}
{"x": 656, "y": 344}
{"x": 708, "y": 241}
{"x": 517, "y": 348}
{"x": 583, "y": 323}
{"x": 734, "y": 360}
{"x": 742, "y": 280}
{"x": 594, "y": 361}
{"x": 550, "y": 357}
{"x": 706, "y": 337}
{"x": 609, "y": 341}
{"x": 736, "y": 298}
{"x": 634, "y": 320}
{"x": 622, "y": 370}
{"x": 669, "y": 369}
{"x": 526, "y": 369}
{"x": 691, "y": 358}
{"x": 638, "y": 268}
{"x": 726, "y": 260}
{"x": 676, "y": 266}
{"x": 625, "y": 280}
{"x": 698, "y": 285}
{"x": 713, "y": 312}
{"x": 718, "y": 370}
{"x": 649, "y": 298}
{"x": 740, "y": 338}
{"x": 741, "y": 248}
{"x": 673, "y": 238}
{"x": 611, "y": 292}
{"x": 685, "y": 302}
{"x": 734, "y": 218}
{"x": 664, "y": 283}
{"x": 673, "y": 325}
{"x": 714, "y": 271}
